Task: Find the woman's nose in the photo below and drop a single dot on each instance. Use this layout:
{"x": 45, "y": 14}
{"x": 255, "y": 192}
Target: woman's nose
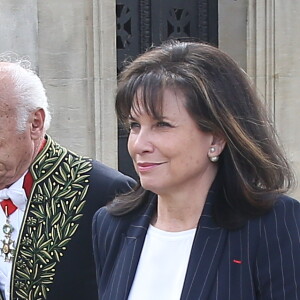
{"x": 140, "y": 142}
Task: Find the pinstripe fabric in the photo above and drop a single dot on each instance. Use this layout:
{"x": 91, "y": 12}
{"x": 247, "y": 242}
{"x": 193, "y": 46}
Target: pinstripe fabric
{"x": 259, "y": 261}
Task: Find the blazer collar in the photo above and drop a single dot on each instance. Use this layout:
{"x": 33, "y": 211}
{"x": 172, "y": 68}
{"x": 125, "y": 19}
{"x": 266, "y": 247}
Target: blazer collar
{"x": 132, "y": 245}
{"x": 140, "y": 224}
{"x": 205, "y": 254}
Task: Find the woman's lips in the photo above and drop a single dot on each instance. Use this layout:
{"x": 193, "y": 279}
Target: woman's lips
{"x": 147, "y": 166}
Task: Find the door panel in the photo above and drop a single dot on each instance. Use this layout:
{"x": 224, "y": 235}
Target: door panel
{"x": 143, "y": 23}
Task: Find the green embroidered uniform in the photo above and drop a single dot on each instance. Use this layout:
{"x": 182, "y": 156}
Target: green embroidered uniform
{"x": 53, "y": 258}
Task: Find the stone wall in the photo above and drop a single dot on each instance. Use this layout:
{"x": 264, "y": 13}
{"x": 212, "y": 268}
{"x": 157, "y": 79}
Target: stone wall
{"x": 71, "y": 45}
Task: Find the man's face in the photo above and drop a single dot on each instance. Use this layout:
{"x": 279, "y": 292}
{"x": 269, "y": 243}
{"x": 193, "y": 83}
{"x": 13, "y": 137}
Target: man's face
{"x": 16, "y": 148}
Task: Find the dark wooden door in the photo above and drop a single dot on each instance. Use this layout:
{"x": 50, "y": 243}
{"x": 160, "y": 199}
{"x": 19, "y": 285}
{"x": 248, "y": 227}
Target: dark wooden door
{"x": 143, "y": 23}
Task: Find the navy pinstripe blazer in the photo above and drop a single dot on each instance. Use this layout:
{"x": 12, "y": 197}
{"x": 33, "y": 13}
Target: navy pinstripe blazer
{"x": 259, "y": 261}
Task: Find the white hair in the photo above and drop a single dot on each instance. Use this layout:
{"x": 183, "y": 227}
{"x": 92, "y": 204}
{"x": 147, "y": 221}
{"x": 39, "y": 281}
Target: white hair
{"x": 26, "y": 87}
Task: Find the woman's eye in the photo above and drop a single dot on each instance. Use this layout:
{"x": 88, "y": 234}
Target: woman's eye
{"x": 163, "y": 124}
{"x": 133, "y": 125}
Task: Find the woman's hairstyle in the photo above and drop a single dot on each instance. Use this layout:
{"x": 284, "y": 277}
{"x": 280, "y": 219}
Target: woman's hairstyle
{"x": 25, "y": 86}
{"x": 252, "y": 168}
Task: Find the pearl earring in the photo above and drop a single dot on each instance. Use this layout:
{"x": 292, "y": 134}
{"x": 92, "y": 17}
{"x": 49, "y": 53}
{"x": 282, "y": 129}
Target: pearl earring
{"x": 213, "y": 158}
{"x": 212, "y": 149}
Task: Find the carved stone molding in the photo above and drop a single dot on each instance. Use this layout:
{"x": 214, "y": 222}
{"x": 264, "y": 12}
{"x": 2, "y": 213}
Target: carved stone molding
{"x": 103, "y": 69}
{"x": 261, "y": 48}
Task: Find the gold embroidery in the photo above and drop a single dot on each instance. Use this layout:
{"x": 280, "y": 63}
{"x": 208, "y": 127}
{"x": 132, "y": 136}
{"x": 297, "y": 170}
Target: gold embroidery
{"x": 51, "y": 221}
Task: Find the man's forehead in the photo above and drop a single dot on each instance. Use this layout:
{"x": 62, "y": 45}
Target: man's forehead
{"x": 6, "y": 82}
{"x": 6, "y": 109}
{"x": 7, "y": 98}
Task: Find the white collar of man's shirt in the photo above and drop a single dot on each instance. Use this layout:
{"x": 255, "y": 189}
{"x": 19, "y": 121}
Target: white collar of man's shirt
{"x": 20, "y": 202}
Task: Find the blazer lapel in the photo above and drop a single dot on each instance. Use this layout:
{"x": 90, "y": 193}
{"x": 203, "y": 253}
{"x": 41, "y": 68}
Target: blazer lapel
{"x": 130, "y": 253}
{"x": 205, "y": 255}
{"x": 204, "y": 259}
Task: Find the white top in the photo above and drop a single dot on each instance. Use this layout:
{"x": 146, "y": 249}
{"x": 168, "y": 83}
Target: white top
{"x": 15, "y": 220}
{"x": 162, "y": 266}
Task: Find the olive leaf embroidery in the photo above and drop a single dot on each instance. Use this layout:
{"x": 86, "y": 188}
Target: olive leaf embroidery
{"x": 52, "y": 219}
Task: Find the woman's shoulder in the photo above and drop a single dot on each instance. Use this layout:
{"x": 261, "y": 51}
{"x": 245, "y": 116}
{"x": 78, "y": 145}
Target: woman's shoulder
{"x": 104, "y": 219}
{"x": 277, "y": 230}
{"x": 284, "y": 215}
{"x": 108, "y": 229}
{"x": 105, "y": 222}
{"x": 274, "y": 239}
{"x": 101, "y": 214}
{"x": 286, "y": 203}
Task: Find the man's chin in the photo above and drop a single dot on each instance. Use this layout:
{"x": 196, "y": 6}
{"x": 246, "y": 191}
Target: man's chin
{"x": 5, "y": 181}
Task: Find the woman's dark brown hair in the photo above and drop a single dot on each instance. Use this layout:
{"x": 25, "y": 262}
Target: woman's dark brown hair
{"x": 221, "y": 100}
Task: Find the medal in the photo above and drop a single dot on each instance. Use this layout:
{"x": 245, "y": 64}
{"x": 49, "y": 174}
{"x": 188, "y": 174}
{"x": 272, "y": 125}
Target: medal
{"x": 8, "y": 248}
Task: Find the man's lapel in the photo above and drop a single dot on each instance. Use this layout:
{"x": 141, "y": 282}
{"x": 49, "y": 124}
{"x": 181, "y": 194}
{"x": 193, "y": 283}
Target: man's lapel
{"x": 205, "y": 255}
{"x": 50, "y": 220}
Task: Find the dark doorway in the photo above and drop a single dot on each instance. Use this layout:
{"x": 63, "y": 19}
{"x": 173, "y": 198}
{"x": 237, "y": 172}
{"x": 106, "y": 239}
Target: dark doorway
{"x": 143, "y": 23}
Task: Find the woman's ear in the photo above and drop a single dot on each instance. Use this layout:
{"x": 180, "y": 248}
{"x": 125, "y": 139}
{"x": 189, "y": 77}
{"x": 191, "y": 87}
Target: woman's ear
{"x": 217, "y": 145}
{"x": 37, "y": 124}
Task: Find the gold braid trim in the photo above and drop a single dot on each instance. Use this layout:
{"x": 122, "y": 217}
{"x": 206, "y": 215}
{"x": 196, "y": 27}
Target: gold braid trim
{"x": 51, "y": 219}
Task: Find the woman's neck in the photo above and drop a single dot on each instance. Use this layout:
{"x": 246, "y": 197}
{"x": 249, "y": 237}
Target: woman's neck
{"x": 179, "y": 213}
{"x": 180, "y": 208}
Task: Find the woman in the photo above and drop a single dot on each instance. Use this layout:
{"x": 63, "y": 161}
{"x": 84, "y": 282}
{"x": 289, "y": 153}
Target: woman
{"x": 209, "y": 219}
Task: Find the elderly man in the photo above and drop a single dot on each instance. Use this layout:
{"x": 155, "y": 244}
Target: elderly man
{"x": 48, "y": 196}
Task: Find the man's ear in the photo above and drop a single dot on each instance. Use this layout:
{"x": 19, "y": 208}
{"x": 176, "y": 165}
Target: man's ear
{"x": 37, "y": 123}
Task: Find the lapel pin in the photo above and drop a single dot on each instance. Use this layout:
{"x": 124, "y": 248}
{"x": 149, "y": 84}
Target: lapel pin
{"x": 236, "y": 261}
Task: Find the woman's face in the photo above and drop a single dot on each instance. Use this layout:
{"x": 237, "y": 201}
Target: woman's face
{"x": 170, "y": 154}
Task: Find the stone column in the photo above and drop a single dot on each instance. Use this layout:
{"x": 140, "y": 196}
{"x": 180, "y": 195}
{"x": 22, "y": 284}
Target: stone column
{"x": 261, "y": 48}
{"x": 233, "y": 29}
{"x": 77, "y": 62}
{"x": 105, "y": 73}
